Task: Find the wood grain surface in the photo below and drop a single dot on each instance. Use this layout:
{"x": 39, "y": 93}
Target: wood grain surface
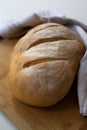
{"x": 62, "y": 116}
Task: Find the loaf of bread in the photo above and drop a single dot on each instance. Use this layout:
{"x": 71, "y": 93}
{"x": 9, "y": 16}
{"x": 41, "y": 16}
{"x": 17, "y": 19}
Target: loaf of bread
{"x": 44, "y": 63}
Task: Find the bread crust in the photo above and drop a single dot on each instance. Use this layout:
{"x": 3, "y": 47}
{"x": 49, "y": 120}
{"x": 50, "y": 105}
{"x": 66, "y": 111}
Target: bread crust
{"x": 44, "y": 63}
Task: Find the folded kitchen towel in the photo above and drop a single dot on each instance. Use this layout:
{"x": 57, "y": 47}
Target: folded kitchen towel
{"x": 19, "y": 26}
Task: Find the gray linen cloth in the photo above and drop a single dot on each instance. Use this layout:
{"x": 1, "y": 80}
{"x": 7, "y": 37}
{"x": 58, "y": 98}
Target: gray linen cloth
{"x": 19, "y": 26}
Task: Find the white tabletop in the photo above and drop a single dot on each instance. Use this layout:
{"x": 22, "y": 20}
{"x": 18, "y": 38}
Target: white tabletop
{"x": 14, "y": 8}
{"x": 5, "y": 123}
{"x": 71, "y": 8}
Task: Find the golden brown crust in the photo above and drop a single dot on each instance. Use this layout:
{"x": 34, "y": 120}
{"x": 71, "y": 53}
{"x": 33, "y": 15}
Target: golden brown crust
{"x": 44, "y": 63}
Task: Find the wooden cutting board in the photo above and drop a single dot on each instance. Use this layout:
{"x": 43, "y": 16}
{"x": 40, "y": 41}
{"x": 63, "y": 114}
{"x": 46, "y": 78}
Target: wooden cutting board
{"x": 62, "y": 116}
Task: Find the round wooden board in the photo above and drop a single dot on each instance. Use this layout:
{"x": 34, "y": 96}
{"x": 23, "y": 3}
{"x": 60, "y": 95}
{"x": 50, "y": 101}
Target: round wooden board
{"x": 62, "y": 116}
